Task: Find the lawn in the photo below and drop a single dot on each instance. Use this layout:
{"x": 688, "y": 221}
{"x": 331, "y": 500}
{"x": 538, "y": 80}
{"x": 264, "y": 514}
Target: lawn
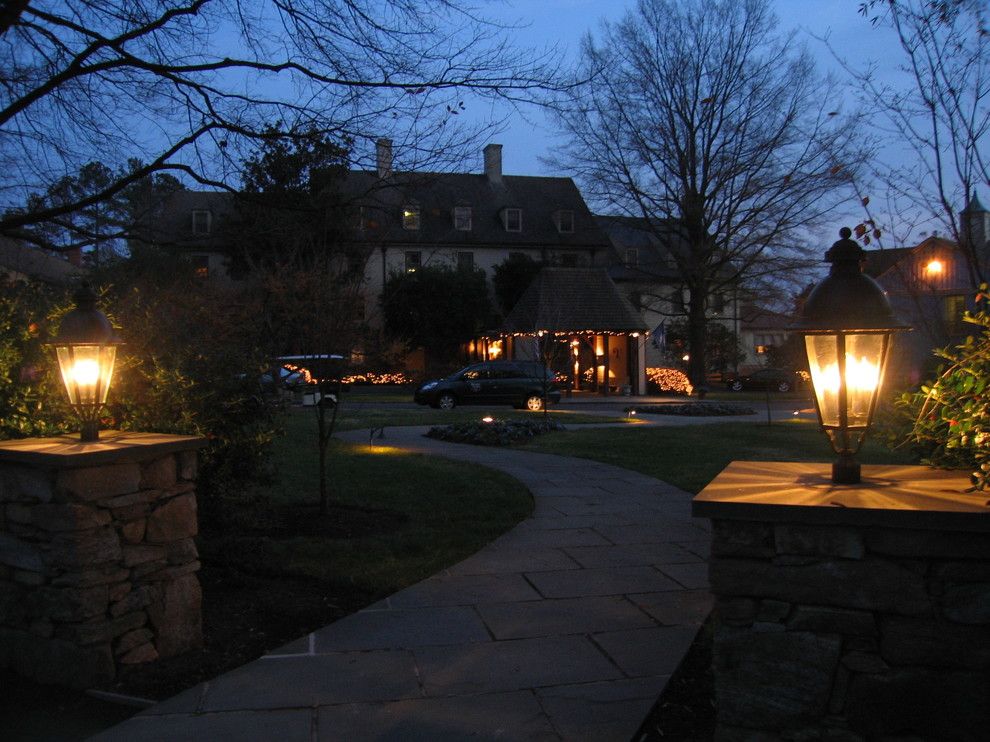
{"x": 690, "y": 456}
{"x": 356, "y": 417}
{"x": 274, "y": 570}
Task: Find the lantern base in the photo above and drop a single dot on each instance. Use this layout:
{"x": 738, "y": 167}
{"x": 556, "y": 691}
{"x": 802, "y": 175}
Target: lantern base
{"x": 845, "y": 470}
{"x": 89, "y": 431}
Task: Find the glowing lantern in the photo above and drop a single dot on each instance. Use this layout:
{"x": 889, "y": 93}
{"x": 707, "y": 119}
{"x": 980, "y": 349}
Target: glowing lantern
{"x": 86, "y": 347}
{"x": 847, "y": 325}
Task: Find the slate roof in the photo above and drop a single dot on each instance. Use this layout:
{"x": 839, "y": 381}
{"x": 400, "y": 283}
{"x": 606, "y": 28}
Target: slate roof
{"x": 573, "y": 300}
{"x": 540, "y": 199}
{"x": 633, "y": 232}
{"x": 436, "y": 194}
{"x": 879, "y": 262}
{"x": 36, "y": 263}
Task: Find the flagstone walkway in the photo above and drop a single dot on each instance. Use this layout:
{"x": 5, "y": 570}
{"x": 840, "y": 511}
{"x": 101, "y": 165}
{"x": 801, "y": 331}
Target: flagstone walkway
{"x": 565, "y": 628}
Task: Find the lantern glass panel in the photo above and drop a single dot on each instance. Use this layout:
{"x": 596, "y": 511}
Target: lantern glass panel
{"x": 862, "y": 369}
{"x": 86, "y": 372}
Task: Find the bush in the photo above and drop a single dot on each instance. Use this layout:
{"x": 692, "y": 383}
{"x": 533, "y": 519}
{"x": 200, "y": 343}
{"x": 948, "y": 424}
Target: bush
{"x": 495, "y": 433}
{"x": 694, "y": 409}
{"x": 951, "y": 415}
{"x": 670, "y": 380}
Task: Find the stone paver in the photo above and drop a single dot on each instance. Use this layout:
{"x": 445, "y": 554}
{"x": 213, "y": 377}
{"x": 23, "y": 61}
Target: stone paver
{"x": 565, "y": 628}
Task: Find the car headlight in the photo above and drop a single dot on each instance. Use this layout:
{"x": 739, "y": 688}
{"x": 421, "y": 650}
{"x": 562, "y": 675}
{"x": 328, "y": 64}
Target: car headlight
{"x": 428, "y": 386}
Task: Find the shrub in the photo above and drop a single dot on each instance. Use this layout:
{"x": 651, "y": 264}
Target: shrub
{"x": 695, "y": 409}
{"x": 951, "y": 415}
{"x": 495, "y": 433}
{"x": 669, "y": 380}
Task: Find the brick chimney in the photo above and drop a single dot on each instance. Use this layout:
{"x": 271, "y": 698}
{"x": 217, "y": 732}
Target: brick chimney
{"x": 493, "y": 162}
{"x": 383, "y": 157}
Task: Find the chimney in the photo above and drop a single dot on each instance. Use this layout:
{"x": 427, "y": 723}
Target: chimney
{"x": 383, "y": 157}
{"x": 493, "y": 162}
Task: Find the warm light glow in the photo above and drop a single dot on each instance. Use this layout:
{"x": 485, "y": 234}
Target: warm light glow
{"x": 863, "y": 356}
{"x": 934, "y": 267}
{"x": 575, "y": 343}
{"x": 635, "y": 335}
{"x": 685, "y": 358}
{"x": 488, "y": 419}
{"x": 495, "y": 349}
{"x": 86, "y": 372}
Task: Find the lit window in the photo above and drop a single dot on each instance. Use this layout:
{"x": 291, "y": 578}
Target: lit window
{"x": 513, "y": 220}
{"x": 202, "y": 221}
{"x": 462, "y": 218}
{"x": 413, "y": 261}
{"x": 410, "y": 217}
{"x": 632, "y": 257}
{"x": 465, "y": 261}
{"x": 761, "y": 349}
{"x": 565, "y": 221}
{"x": 201, "y": 266}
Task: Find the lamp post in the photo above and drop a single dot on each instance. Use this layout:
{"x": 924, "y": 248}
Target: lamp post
{"x": 847, "y": 324}
{"x": 86, "y": 346}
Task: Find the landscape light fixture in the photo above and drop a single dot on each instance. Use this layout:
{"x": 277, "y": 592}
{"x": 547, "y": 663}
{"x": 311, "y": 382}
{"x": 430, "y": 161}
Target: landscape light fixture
{"x": 847, "y": 324}
{"x": 86, "y": 347}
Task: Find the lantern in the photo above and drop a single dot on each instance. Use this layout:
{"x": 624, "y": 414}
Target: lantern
{"x": 86, "y": 346}
{"x": 847, "y": 324}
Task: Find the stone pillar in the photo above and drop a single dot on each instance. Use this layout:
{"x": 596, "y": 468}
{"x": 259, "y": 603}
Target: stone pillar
{"x": 849, "y": 612}
{"x": 97, "y": 554}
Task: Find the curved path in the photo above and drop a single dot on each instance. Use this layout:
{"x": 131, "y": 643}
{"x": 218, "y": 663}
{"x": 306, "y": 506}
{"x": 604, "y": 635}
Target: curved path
{"x": 565, "y": 628}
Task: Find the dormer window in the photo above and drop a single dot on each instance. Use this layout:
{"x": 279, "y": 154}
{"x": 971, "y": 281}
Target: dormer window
{"x": 565, "y": 221}
{"x": 202, "y": 221}
{"x": 410, "y": 216}
{"x": 462, "y": 218}
{"x": 632, "y": 257}
{"x": 512, "y": 219}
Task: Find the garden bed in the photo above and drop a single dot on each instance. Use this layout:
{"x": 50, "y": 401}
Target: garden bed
{"x": 493, "y": 433}
{"x": 694, "y": 409}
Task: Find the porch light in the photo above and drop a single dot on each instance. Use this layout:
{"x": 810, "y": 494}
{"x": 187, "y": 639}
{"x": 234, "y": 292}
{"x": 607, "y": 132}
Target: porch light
{"x": 847, "y": 324}
{"x": 934, "y": 268}
{"x": 86, "y": 347}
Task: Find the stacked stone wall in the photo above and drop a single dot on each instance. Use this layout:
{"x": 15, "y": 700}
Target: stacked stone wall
{"x": 98, "y": 566}
{"x": 844, "y": 632}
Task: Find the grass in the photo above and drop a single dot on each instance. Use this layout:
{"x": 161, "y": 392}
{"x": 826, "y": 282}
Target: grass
{"x": 690, "y": 456}
{"x": 353, "y": 417}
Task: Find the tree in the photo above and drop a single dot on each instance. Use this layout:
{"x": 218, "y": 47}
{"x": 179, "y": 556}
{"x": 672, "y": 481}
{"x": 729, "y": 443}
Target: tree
{"x": 512, "y": 277}
{"x": 938, "y": 110}
{"x": 192, "y": 85}
{"x": 102, "y": 226}
{"x": 700, "y": 113}
{"x": 722, "y": 351}
{"x": 436, "y": 308}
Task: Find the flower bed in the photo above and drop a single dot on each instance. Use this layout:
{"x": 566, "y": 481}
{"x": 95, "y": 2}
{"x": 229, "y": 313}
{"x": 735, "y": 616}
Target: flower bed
{"x": 694, "y": 409}
{"x": 494, "y": 433}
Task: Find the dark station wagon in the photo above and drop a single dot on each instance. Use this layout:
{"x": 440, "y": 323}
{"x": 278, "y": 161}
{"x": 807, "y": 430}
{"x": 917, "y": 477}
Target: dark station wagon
{"x": 516, "y": 383}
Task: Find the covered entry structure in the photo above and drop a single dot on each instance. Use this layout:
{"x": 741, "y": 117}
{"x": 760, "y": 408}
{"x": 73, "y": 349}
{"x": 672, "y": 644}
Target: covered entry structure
{"x": 577, "y": 321}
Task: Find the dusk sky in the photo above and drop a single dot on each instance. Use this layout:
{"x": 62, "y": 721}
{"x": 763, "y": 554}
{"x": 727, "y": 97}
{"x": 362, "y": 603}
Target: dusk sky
{"x": 566, "y": 21}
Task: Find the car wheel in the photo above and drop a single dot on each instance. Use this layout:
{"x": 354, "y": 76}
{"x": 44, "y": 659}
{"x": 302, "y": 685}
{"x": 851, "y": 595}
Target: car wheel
{"x": 736, "y": 386}
{"x": 534, "y": 403}
{"x": 783, "y": 386}
{"x": 446, "y": 402}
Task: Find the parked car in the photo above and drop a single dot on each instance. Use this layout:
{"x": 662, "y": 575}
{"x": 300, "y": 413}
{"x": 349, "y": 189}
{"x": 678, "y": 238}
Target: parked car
{"x": 517, "y": 383}
{"x": 774, "y": 379}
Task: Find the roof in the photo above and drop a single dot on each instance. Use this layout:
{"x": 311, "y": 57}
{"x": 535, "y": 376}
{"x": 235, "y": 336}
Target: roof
{"x": 880, "y": 261}
{"x": 654, "y": 258}
{"x": 436, "y": 194}
{"x": 43, "y": 265}
{"x": 573, "y": 300}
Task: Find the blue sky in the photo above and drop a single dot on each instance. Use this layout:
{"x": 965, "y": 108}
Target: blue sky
{"x": 564, "y": 22}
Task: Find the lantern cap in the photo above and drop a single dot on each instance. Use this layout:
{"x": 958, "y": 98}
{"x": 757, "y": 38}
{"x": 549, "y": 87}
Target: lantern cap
{"x": 86, "y": 325}
{"x": 847, "y": 300}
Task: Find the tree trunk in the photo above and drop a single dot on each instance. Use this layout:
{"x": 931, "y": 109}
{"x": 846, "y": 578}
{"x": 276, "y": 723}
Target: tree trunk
{"x": 697, "y": 339}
